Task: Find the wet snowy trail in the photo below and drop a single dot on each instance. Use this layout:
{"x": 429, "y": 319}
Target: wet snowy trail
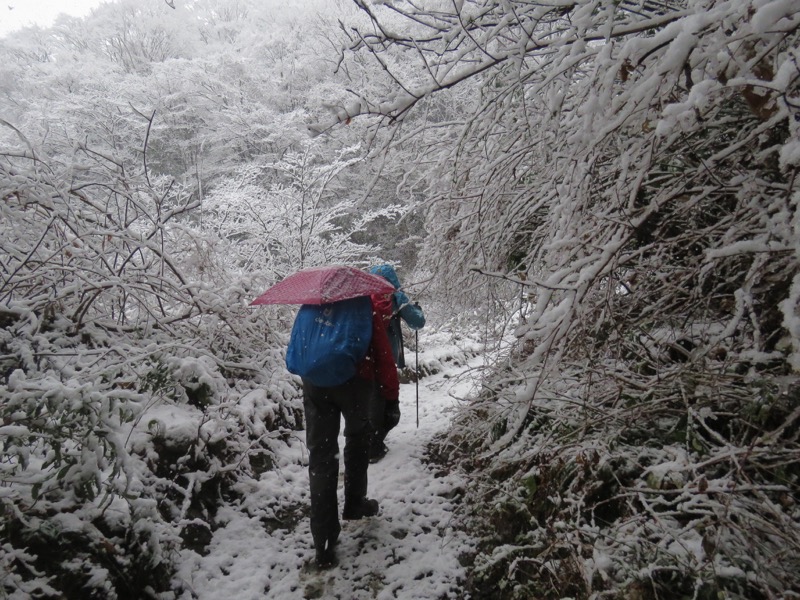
{"x": 408, "y": 551}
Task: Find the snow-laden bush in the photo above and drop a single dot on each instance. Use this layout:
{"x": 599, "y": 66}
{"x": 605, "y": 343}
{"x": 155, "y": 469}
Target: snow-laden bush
{"x": 137, "y": 387}
{"x": 592, "y": 487}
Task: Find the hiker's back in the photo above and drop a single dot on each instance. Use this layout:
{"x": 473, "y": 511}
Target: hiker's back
{"x": 328, "y": 341}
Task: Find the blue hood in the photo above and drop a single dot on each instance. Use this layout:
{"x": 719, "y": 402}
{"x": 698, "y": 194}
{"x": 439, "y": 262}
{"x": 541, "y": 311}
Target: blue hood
{"x": 388, "y": 273}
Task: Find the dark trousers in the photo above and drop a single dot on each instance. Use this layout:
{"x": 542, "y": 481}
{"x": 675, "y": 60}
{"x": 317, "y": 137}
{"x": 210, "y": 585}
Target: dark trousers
{"x": 324, "y": 407}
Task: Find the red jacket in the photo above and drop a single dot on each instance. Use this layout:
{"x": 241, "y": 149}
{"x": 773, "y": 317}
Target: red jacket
{"x": 379, "y": 363}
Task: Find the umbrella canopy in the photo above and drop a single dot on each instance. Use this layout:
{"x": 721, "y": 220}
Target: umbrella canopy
{"x": 321, "y": 285}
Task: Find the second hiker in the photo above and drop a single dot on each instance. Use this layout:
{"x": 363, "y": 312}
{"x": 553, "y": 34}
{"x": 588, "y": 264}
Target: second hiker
{"x": 385, "y": 411}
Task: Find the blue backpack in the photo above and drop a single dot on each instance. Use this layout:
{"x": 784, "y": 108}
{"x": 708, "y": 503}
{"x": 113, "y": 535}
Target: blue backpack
{"x": 329, "y": 340}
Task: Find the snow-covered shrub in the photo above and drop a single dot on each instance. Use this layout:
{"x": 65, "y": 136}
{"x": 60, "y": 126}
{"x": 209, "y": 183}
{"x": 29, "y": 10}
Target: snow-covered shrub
{"x": 608, "y": 490}
{"x": 136, "y": 383}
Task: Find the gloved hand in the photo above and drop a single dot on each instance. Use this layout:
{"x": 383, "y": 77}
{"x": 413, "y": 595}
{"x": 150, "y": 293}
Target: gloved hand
{"x": 391, "y": 415}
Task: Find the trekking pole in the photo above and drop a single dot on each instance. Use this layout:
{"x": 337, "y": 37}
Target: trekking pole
{"x": 416, "y": 367}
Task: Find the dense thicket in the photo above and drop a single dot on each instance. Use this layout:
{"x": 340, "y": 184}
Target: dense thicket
{"x": 616, "y": 180}
{"x": 136, "y": 384}
{"x": 156, "y": 174}
{"x": 630, "y": 169}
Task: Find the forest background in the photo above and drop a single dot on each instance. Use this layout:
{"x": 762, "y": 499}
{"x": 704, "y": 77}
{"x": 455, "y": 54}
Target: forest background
{"x": 606, "y": 191}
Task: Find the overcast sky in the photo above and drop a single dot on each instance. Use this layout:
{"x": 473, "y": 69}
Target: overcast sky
{"x": 15, "y": 14}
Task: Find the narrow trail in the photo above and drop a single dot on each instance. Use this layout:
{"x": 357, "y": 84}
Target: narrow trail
{"x": 409, "y": 551}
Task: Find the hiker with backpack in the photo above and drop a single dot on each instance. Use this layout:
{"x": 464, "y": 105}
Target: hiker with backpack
{"x": 342, "y": 352}
{"x": 385, "y": 412}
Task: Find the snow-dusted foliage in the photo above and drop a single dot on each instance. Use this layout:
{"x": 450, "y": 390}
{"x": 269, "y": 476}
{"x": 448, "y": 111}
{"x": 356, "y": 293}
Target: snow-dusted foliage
{"x": 137, "y": 386}
{"x": 616, "y": 181}
{"x": 291, "y": 214}
{"x": 156, "y": 174}
{"x": 631, "y": 167}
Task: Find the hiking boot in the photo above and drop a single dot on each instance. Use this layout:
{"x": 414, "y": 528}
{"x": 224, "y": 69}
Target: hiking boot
{"x": 325, "y": 558}
{"x": 377, "y": 452}
{"x": 364, "y": 508}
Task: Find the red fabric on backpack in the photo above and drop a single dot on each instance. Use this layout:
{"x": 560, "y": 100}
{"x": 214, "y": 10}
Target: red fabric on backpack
{"x": 379, "y": 363}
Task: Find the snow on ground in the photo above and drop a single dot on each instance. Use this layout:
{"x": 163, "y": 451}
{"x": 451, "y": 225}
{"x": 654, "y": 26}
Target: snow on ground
{"x": 410, "y": 550}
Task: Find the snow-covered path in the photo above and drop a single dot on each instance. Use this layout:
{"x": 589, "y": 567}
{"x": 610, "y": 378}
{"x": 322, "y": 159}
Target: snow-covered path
{"x": 409, "y": 551}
